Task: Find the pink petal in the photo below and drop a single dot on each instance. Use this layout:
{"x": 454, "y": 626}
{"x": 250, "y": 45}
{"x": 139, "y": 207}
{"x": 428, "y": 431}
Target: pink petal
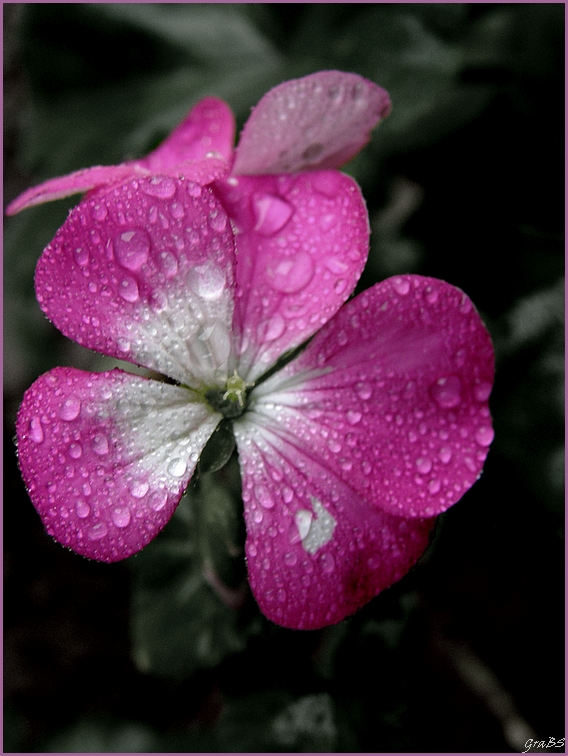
{"x": 73, "y": 183}
{"x": 208, "y": 131}
{"x": 392, "y": 395}
{"x": 143, "y": 273}
{"x": 316, "y": 552}
{"x": 302, "y": 242}
{"x": 319, "y": 121}
{"x": 107, "y": 456}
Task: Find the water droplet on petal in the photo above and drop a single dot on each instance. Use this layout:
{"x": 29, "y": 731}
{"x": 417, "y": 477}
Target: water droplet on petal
{"x": 327, "y": 562}
{"x": 139, "y": 489}
{"x": 36, "y": 430}
{"x": 482, "y": 391}
{"x": 334, "y": 445}
{"x": 446, "y": 391}
{"x": 169, "y": 263}
{"x": 100, "y": 444}
{"x": 128, "y": 289}
{"x": 434, "y": 486}
{"x": 290, "y": 559}
{"x": 312, "y": 152}
{"x": 217, "y": 220}
{"x": 445, "y": 454}
{"x": 484, "y": 435}
{"x": 159, "y": 186}
{"x": 401, "y": 285}
{"x": 291, "y": 274}
{"x": 273, "y": 328}
{"x": 158, "y": 500}
{"x": 353, "y": 417}
{"x": 131, "y": 248}
{"x": 121, "y": 516}
{"x": 424, "y": 465}
{"x": 100, "y": 212}
{"x": 97, "y": 531}
{"x": 82, "y": 508}
{"x": 81, "y": 256}
{"x": 75, "y": 450}
{"x": 264, "y": 498}
{"x": 70, "y": 408}
{"x": 271, "y": 213}
{"x": 177, "y": 468}
{"x": 364, "y": 390}
{"x": 207, "y": 281}
{"x": 194, "y": 190}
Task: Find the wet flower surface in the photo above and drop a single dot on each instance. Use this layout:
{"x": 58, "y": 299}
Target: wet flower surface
{"x": 207, "y": 265}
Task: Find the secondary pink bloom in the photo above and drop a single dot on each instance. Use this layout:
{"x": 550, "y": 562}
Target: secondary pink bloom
{"x": 208, "y": 277}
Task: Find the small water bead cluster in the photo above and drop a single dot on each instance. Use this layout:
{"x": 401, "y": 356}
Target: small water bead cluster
{"x": 208, "y": 264}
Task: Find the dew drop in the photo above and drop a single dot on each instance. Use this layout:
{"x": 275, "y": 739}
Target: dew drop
{"x": 36, "y": 430}
{"x": 97, "y": 531}
{"x": 482, "y": 391}
{"x": 128, "y": 289}
{"x": 353, "y": 417}
{"x": 177, "y": 468}
{"x": 401, "y": 285}
{"x": 194, "y": 190}
{"x": 484, "y": 435}
{"x": 139, "y": 489}
{"x": 75, "y": 450}
{"x": 100, "y": 444}
{"x": 132, "y": 248}
{"x": 312, "y": 152}
{"x": 327, "y": 562}
{"x": 275, "y": 327}
{"x": 271, "y": 213}
{"x": 100, "y": 212}
{"x": 265, "y": 499}
{"x": 424, "y": 465}
{"x": 158, "y": 500}
{"x": 217, "y": 220}
{"x": 169, "y": 263}
{"x": 445, "y": 454}
{"x": 82, "y": 508}
{"x": 258, "y": 516}
{"x": 434, "y": 486}
{"x": 208, "y": 282}
{"x": 160, "y": 186}
{"x": 364, "y": 390}
{"x": 290, "y": 559}
{"x": 334, "y": 445}
{"x": 446, "y": 391}
{"x": 81, "y": 256}
{"x": 70, "y": 408}
{"x": 291, "y": 274}
{"x": 121, "y": 517}
{"x": 431, "y": 295}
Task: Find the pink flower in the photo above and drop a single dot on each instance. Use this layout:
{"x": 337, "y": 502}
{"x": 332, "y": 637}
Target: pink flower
{"x": 172, "y": 262}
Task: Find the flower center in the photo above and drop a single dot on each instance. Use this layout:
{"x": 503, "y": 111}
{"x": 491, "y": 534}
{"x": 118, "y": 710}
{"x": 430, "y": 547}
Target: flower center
{"x": 231, "y": 402}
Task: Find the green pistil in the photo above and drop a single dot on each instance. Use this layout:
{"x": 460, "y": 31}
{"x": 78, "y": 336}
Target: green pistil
{"x": 231, "y": 402}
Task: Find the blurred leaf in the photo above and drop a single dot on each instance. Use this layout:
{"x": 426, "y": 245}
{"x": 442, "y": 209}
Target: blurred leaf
{"x": 92, "y": 735}
{"x": 185, "y": 583}
{"x": 274, "y": 721}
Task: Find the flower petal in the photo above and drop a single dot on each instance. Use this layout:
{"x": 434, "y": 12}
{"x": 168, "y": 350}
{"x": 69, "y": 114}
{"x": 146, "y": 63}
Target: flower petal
{"x": 392, "y": 394}
{"x": 144, "y": 273}
{"x": 73, "y": 183}
{"x": 316, "y": 552}
{"x": 106, "y": 456}
{"x": 208, "y": 131}
{"x": 319, "y": 121}
{"x": 302, "y": 242}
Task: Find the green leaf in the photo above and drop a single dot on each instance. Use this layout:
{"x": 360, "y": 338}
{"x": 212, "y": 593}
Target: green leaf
{"x": 189, "y": 586}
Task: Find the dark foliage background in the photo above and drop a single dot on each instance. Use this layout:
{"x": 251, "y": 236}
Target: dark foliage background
{"x": 465, "y": 182}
